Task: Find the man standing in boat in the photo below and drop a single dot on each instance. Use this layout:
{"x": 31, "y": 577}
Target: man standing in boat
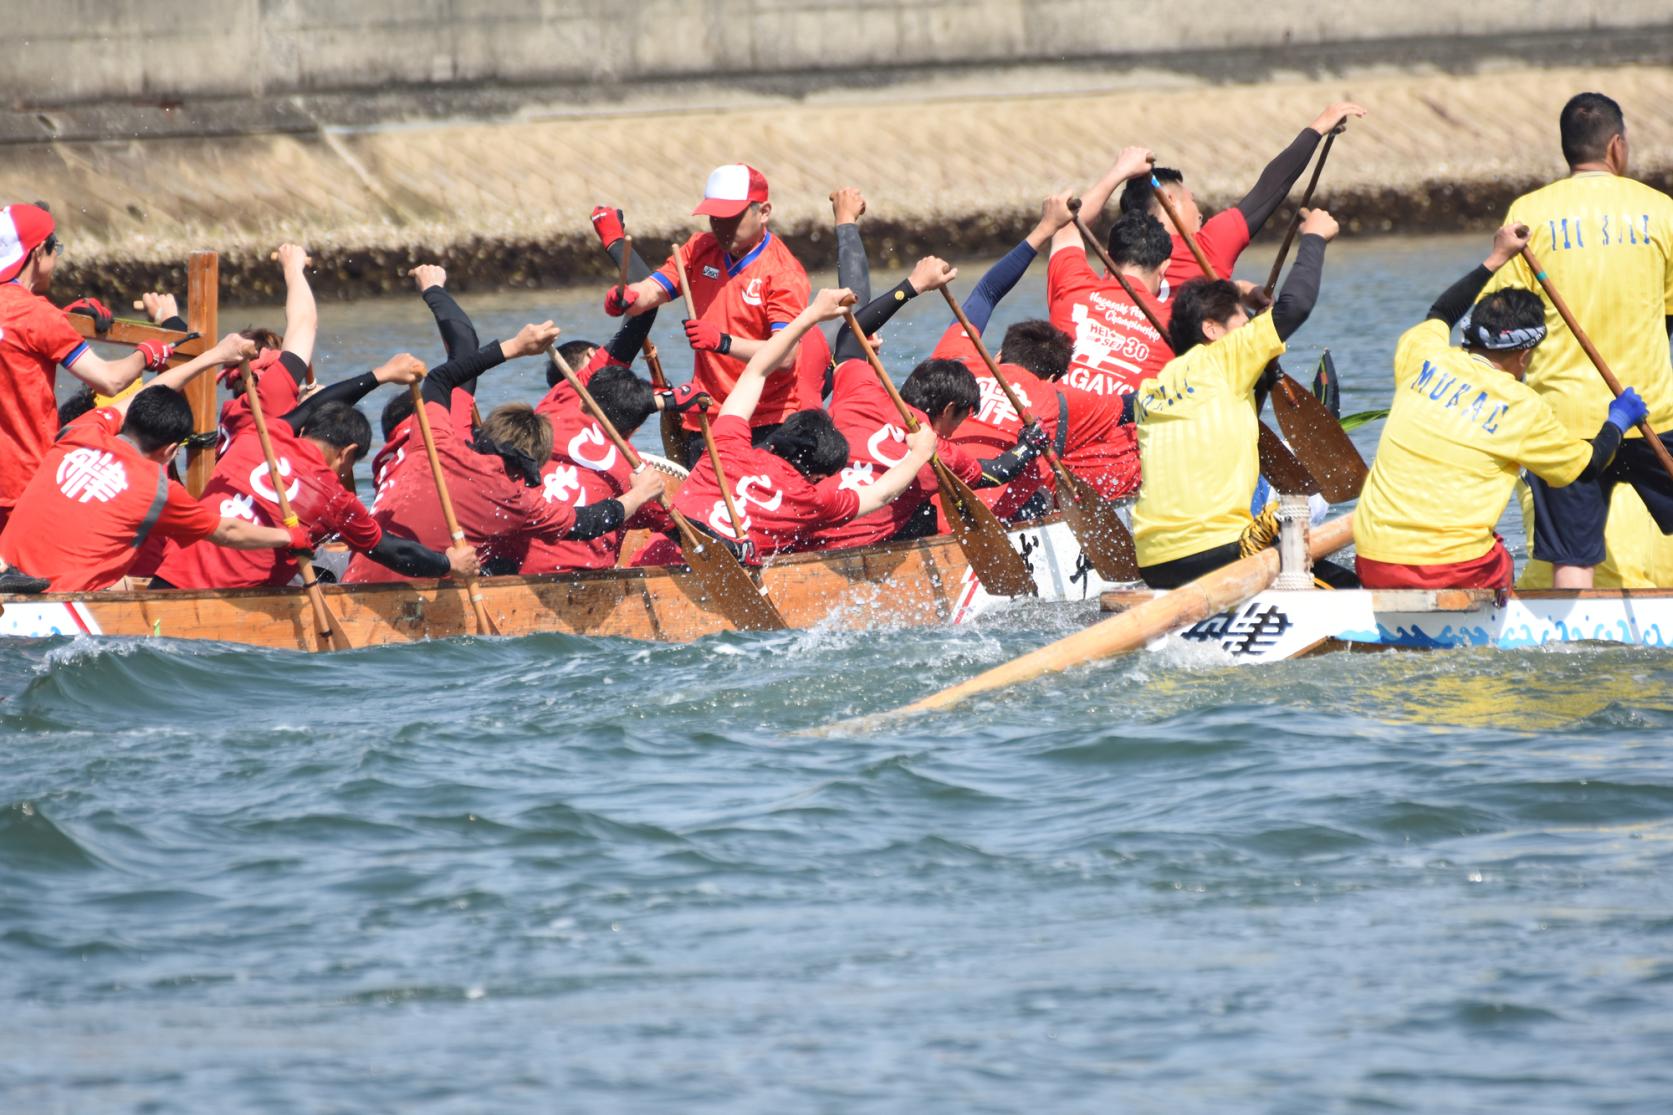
{"x": 1462, "y": 426}
{"x": 1606, "y": 242}
{"x": 745, "y": 286}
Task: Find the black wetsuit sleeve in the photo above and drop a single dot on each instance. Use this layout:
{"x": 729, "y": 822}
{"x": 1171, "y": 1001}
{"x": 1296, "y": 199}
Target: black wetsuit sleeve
{"x": 176, "y": 323}
{"x": 1301, "y": 289}
{"x": 1456, "y": 300}
{"x": 853, "y": 269}
{"x": 440, "y": 383}
{"x": 872, "y": 317}
{"x": 1273, "y": 186}
{"x": 636, "y": 268}
{"x": 629, "y": 340}
{"x": 458, "y": 334}
{"x": 347, "y": 391}
{"x": 409, "y": 558}
{"x": 295, "y": 367}
{"x": 1001, "y": 469}
{"x": 1604, "y": 446}
{"x": 597, "y": 519}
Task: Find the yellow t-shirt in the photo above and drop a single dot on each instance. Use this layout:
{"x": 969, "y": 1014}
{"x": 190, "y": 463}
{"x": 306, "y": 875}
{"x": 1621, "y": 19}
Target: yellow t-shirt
{"x": 1458, "y": 432}
{"x": 1607, "y": 245}
{"x": 1199, "y": 443}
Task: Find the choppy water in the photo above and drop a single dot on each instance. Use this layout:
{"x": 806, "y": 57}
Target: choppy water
{"x": 568, "y": 874}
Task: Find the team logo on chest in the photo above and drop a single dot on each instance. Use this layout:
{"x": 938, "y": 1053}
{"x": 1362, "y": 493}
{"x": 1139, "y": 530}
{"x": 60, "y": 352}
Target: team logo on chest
{"x": 752, "y": 292}
{"x": 89, "y": 474}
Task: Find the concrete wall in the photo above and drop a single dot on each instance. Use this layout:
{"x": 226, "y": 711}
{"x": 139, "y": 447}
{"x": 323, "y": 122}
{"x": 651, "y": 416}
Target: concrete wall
{"x": 69, "y": 52}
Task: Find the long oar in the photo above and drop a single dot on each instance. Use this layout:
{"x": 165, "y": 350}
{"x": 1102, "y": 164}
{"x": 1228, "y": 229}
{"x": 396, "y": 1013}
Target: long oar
{"x": 1317, "y": 439}
{"x": 1306, "y": 200}
{"x": 740, "y": 533}
{"x": 330, "y": 633}
{"x": 730, "y": 589}
{"x": 1594, "y": 355}
{"x": 1278, "y": 464}
{"x": 1103, "y": 537}
{"x": 976, "y": 529}
{"x": 673, "y": 434}
{"x": 473, "y": 591}
{"x": 1225, "y": 588}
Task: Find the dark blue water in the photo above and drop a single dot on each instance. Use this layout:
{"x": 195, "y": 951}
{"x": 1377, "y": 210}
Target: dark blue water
{"x": 587, "y": 875}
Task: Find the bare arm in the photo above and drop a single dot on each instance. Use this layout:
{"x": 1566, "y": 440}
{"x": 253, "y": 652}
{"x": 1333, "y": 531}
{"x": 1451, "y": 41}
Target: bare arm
{"x": 107, "y": 377}
{"x": 301, "y": 314}
{"x": 770, "y": 354}
{"x": 238, "y": 534}
{"x": 649, "y": 294}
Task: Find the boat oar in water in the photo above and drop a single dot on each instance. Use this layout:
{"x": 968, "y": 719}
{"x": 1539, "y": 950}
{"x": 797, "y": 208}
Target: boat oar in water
{"x": 1594, "y": 355}
{"x": 975, "y": 527}
{"x": 1317, "y": 439}
{"x": 731, "y": 591}
{"x": 485, "y": 624}
{"x": 1104, "y": 539}
{"x": 329, "y": 634}
{"x": 1278, "y": 464}
{"x": 673, "y": 434}
{"x": 1225, "y": 588}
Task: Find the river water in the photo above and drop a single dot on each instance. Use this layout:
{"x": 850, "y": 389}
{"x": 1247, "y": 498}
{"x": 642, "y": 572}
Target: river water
{"x": 567, "y": 874}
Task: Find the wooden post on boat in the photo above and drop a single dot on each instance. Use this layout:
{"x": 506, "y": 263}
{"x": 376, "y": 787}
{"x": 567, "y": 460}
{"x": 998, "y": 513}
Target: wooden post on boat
{"x": 203, "y": 287}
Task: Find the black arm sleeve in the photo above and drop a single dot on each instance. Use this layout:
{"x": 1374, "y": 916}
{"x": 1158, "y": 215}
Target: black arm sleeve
{"x": 629, "y": 341}
{"x": 872, "y": 317}
{"x": 348, "y": 391}
{"x": 636, "y": 268}
{"x": 1301, "y": 289}
{"x": 1001, "y": 469}
{"x": 1273, "y": 186}
{"x": 1604, "y": 445}
{"x": 176, "y": 323}
{"x": 1456, "y": 299}
{"x": 295, "y": 366}
{"x": 596, "y": 519}
{"x": 409, "y": 558}
{"x": 853, "y": 269}
{"x": 452, "y": 322}
{"x": 439, "y": 384}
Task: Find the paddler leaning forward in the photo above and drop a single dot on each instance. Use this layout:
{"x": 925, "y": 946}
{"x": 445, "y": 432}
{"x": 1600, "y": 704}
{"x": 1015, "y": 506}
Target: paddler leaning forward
{"x": 1462, "y": 426}
{"x": 1198, "y": 435}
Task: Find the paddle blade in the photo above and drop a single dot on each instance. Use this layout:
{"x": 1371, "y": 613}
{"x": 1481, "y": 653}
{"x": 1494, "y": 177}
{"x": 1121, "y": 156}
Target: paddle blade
{"x": 673, "y": 437}
{"x": 336, "y": 638}
{"x": 1103, "y": 537}
{"x": 981, "y": 536}
{"x": 731, "y": 591}
{"x": 1281, "y": 469}
{"x": 1319, "y": 441}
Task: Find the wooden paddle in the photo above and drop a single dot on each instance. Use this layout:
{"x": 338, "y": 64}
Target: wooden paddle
{"x": 330, "y": 633}
{"x": 673, "y": 434}
{"x": 740, "y": 533}
{"x": 731, "y": 590}
{"x": 1594, "y": 355}
{"x": 1225, "y": 588}
{"x": 1306, "y": 200}
{"x": 1316, "y": 438}
{"x": 976, "y": 529}
{"x": 484, "y": 623}
{"x": 1103, "y": 537}
{"x": 1278, "y": 464}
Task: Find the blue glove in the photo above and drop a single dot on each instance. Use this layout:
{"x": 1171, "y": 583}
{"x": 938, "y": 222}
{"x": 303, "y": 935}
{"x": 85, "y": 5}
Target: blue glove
{"x": 1627, "y": 411}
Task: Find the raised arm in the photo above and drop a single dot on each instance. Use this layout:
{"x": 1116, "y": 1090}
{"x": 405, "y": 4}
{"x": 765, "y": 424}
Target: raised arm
{"x": 1273, "y": 186}
{"x": 853, "y": 269}
{"x": 776, "y": 350}
{"x": 1129, "y": 164}
{"x": 441, "y": 381}
{"x": 1457, "y": 299}
{"x": 301, "y": 315}
{"x": 1002, "y": 276}
{"x": 931, "y": 273}
{"x": 1301, "y": 289}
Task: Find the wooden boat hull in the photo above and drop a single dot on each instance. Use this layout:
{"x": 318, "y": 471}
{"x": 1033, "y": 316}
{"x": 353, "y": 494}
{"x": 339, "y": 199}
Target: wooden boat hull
{"x": 1279, "y": 625}
{"x": 901, "y": 584}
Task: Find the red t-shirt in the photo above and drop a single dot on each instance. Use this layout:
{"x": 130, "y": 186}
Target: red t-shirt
{"x": 781, "y": 509}
{"x": 867, "y": 417}
{"x": 751, "y": 297}
{"x": 1096, "y": 447}
{"x": 1222, "y": 239}
{"x": 276, "y": 374}
{"x": 585, "y": 468}
{"x": 35, "y": 339}
{"x": 241, "y": 488}
{"x": 995, "y": 426}
{"x": 394, "y": 448}
{"x": 1115, "y": 346}
{"x": 498, "y": 514}
{"x": 91, "y": 505}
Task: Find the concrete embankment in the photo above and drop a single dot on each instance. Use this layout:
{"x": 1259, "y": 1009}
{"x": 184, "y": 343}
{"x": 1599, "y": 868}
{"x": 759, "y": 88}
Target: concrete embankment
{"x": 953, "y": 159}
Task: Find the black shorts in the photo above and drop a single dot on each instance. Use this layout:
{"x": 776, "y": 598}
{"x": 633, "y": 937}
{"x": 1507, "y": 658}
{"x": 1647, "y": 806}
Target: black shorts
{"x": 1569, "y": 521}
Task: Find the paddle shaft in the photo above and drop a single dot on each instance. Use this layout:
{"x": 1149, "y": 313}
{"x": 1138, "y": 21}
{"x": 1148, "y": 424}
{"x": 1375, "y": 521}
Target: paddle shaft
{"x": 740, "y": 535}
{"x": 685, "y": 284}
{"x": 1295, "y": 221}
{"x": 1115, "y": 272}
{"x": 330, "y": 632}
{"x": 1593, "y": 354}
{"x": 473, "y": 592}
{"x": 1186, "y": 234}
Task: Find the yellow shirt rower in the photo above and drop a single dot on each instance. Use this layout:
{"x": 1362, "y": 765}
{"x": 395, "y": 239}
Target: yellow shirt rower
{"x": 1462, "y": 425}
{"x": 1606, "y": 242}
{"x": 1198, "y": 435}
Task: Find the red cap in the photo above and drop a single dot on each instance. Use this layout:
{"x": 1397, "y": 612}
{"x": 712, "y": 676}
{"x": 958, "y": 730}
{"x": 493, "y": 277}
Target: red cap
{"x": 730, "y": 190}
{"x": 23, "y": 228}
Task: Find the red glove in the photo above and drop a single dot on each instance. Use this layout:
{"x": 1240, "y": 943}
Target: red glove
{"x": 683, "y": 398}
{"x": 607, "y": 222}
{"x": 156, "y": 354}
{"x": 705, "y": 336}
{"x": 300, "y": 538}
{"x": 620, "y": 298}
{"x": 95, "y": 309}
